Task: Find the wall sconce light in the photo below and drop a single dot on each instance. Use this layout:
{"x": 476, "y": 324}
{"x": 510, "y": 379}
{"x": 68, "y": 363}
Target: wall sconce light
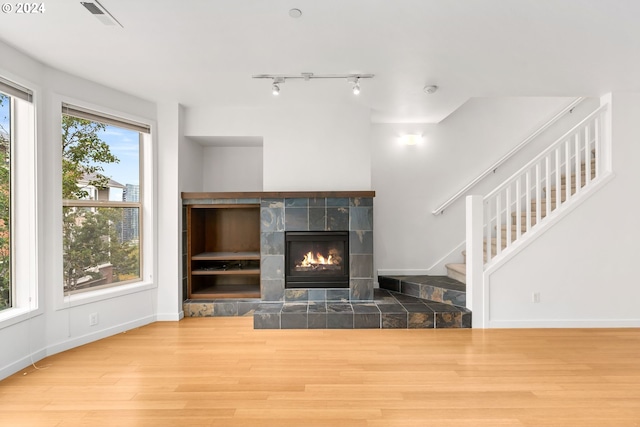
{"x": 411, "y": 139}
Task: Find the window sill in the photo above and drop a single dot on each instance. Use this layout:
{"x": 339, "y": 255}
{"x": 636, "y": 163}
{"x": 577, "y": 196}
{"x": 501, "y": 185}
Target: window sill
{"x": 11, "y": 316}
{"x": 90, "y": 297}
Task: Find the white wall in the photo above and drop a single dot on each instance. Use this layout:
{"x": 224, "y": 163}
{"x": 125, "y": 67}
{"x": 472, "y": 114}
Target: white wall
{"x": 411, "y": 181}
{"x": 170, "y": 139}
{"x": 191, "y": 163}
{"x": 60, "y": 323}
{"x": 583, "y": 266}
{"x": 231, "y": 169}
{"x": 306, "y": 147}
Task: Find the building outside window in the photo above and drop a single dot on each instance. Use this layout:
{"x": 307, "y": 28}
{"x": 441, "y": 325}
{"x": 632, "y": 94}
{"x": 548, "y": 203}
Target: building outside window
{"x": 101, "y": 191}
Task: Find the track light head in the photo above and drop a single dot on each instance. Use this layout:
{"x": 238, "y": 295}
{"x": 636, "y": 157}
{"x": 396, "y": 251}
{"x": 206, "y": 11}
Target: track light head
{"x": 275, "y": 88}
{"x": 356, "y": 84}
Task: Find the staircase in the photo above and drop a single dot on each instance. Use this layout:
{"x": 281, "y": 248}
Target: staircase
{"x": 457, "y": 271}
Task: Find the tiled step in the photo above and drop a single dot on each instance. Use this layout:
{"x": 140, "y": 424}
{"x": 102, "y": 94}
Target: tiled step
{"x": 220, "y": 307}
{"x": 434, "y": 288}
{"x": 388, "y": 310}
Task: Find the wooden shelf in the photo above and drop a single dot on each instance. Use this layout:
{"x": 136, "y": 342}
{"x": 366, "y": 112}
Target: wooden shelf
{"x": 226, "y": 291}
{"x": 238, "y": 272}
{"x": 274, "y": 194}
{"x": 226, "y": 256}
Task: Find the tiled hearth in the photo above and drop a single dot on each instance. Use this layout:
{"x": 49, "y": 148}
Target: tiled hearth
{"x": 332, "y": 310}
{"x": 388, "y": 310}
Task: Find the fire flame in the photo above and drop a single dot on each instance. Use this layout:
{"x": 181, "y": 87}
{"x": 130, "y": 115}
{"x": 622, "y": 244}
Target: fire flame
{"x": 310, "y": 260}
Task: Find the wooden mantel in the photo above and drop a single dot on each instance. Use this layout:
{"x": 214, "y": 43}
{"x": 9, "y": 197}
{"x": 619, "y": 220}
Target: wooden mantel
{"x": 275, "y": 194}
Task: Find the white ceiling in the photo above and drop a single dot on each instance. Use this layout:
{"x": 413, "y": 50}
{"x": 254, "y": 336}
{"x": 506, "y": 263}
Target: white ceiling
{"x": 204, "y": 52}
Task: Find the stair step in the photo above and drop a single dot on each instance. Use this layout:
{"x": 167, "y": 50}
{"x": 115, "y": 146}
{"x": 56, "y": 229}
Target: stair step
{"x": 440, "y": 289}
{"x": 543, "y": 203}
{"x": 457, "y": 272}
{"x": 563, "y": 179}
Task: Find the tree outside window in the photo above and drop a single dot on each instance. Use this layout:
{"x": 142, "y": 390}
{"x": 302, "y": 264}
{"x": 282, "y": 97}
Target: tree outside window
{"x": 101, "y": 204}
{"x": 5, "y": 203}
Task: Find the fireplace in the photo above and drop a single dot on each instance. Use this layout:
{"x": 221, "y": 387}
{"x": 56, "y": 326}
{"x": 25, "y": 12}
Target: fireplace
{"x": 317, "y": 259}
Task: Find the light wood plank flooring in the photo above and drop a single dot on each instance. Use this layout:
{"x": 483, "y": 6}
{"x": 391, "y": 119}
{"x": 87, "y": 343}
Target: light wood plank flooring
{"x": 221, "y": 372}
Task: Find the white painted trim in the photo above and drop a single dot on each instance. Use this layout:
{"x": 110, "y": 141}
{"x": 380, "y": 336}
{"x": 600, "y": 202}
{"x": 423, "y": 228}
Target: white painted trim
{"x": 557, "y": 215}
{"x": 170, "y": 317}
{"x": 481, "y": 314}
{"x": 566, "y": 323}
{"x": 93, "y": 296}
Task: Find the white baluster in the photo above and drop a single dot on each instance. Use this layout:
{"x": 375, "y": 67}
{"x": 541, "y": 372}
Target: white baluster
{"x": 498, "y": 224}
{"x": 508, "y": 220}
{"x": 587, "y": 153}
{"x": 538, "y": 188}
{"x": 518, "y": 208}
{"x": 547, "y": 182}
{"x": 578, "y": 166}
{"x": 558, "y": 151}
{"x": 597, "y": 134}
{"x": 567, "y": 169}
{"x": 528, "y": 199}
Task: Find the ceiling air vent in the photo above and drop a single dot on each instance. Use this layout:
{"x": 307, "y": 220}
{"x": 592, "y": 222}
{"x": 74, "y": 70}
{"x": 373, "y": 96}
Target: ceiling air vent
{"x": 100, "y": 12}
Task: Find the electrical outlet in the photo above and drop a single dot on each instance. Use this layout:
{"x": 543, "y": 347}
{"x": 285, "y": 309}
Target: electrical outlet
{"x": 93, "y": 319}
{"x": 536, "y": 297}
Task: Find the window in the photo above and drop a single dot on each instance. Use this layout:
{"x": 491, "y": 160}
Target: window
{"x": 16, "y": 196}
{"x": 102, "y": 192}
{"x": 6, "y": 288}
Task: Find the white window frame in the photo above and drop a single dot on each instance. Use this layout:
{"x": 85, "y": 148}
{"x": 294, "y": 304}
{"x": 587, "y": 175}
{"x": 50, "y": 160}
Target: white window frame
{"x": 24, "y": 196}
{"x": 64, "y": 301}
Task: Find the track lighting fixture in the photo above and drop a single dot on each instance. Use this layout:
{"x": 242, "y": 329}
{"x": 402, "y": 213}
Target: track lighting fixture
{"x": 278, "y": 79}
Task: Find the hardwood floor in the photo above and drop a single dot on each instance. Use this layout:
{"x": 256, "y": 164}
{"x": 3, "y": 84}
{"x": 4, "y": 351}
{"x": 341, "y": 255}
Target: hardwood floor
{"x": 221, "y": 372}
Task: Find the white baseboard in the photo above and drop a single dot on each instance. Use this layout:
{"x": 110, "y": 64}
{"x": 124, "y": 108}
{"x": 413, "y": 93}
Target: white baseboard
{"x": 98, "y": 335}
{"x": 18, "y": 365}
{"x": 170, "y": 317}
{"x": 565, "y": 323}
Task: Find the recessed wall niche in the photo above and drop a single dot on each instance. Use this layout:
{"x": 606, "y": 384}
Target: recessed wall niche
{"x": 231, "y": 163}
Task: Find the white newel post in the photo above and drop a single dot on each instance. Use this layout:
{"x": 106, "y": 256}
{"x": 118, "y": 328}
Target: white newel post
{"x": 475, "y": 261}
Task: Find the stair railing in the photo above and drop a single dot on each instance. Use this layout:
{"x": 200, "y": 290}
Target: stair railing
{"x": 559, "y": 173}
{"x": 440, "y": 209}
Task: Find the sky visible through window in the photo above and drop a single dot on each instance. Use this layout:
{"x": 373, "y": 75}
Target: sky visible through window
{"x": 125, "y": 146}
{"x": 4, "y": 114}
